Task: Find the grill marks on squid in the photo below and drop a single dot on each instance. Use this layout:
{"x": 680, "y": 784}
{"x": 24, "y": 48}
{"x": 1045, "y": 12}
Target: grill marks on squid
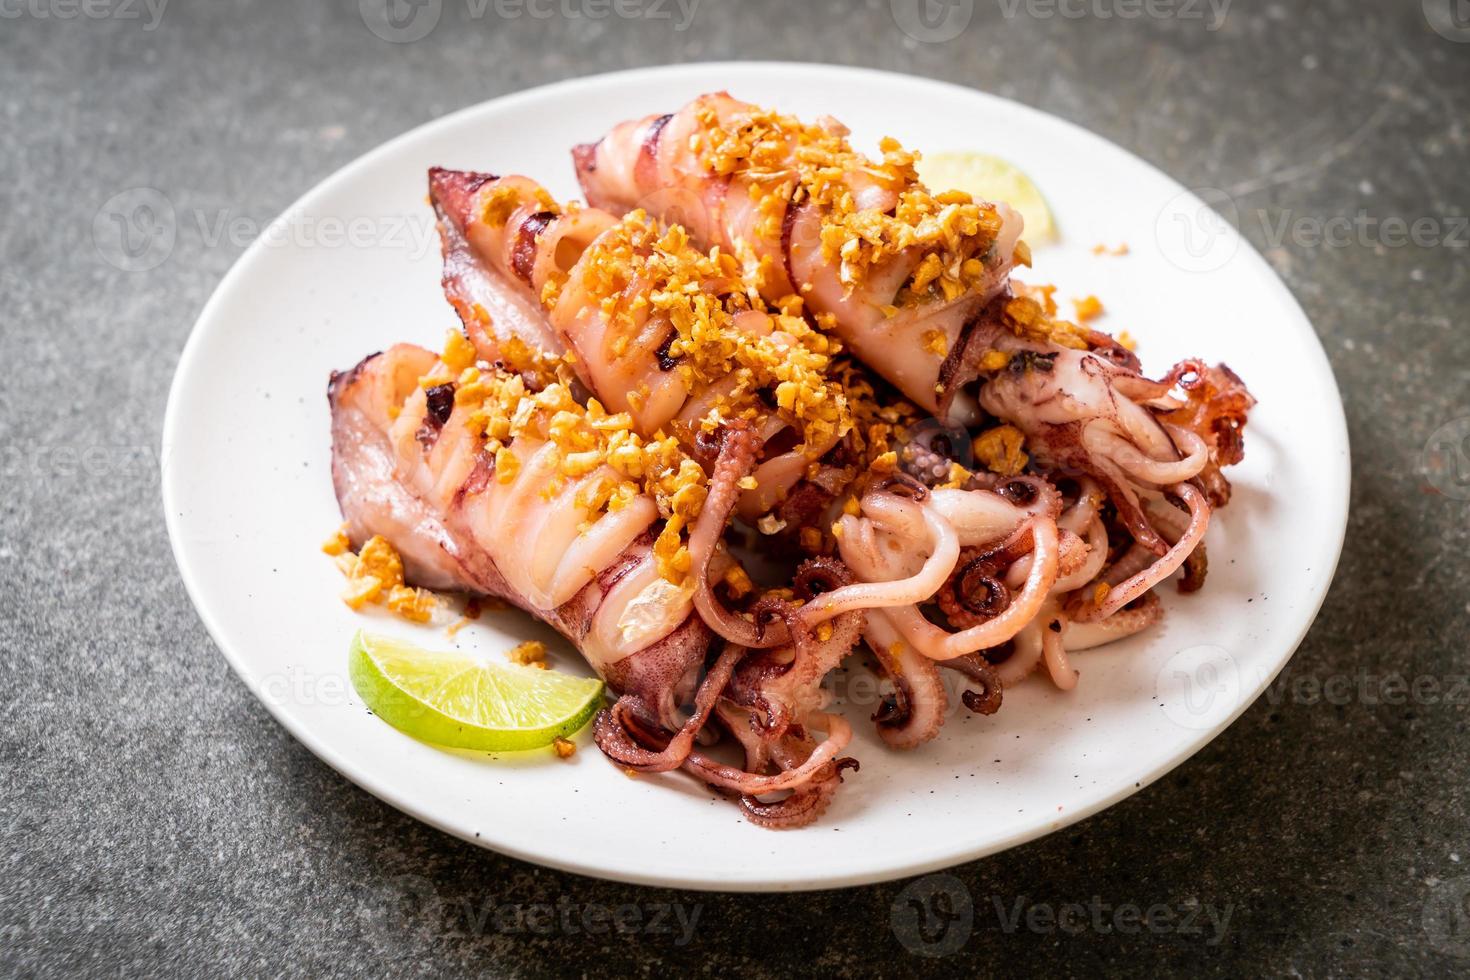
{"x": 647, "y": 165}
{"x": 523, "y": 252}
{"x": 666, "y": 361}
{"x": 958, "y": 368}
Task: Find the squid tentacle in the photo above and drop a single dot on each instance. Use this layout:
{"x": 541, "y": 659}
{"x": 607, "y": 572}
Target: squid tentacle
{"x": 906, "y": 517}
{"x": 938, "y": 644}
{"x": 839, "y": 733}
{"x": 1134, "y": 587}
{"x": 915, "y": 711}
{"x": 733, "y": 463}
{"x": 612, "y": 731}
{"x": 987, "y": 700}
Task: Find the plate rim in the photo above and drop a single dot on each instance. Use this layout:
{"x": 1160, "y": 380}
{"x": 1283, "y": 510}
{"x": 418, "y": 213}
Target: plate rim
{"x": 1318, "y": 365}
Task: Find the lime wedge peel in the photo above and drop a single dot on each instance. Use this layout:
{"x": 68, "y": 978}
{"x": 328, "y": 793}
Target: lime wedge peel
{"x": 990, "y": 178}
{"x": 465, "y": 702}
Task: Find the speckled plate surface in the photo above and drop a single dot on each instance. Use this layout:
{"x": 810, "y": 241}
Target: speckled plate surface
{"x": 354, "y": 267}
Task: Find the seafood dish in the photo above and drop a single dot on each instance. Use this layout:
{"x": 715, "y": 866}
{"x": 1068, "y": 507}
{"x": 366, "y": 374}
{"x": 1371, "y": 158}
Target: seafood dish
{"x": 762, "y": 406}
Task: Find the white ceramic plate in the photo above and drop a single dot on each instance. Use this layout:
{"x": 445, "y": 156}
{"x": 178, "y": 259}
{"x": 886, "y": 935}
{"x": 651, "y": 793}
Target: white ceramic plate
{"x": 354, "y": 267}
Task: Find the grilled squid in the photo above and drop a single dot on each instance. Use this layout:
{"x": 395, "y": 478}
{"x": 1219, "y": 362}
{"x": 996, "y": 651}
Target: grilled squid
{"x": 1155, "y": 448}
{"x": 407, "y": 465}
{"x": 635, "y": 375}
{"x": 916, "y": 284}
{"x": 802, "y": 208}
{"x": 411, "y": 463}
{"x": 895, "y": 270}
{"x": 774, "y": 702}
{"x": 581, "y": 281}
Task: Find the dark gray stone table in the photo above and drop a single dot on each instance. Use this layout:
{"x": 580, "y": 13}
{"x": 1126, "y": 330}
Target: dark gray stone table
{"x": 154, "y": 818}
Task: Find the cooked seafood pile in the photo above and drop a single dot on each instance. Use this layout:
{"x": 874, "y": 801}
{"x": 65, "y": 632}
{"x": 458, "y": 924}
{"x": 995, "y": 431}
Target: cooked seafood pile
{"x": 756, "y": 342}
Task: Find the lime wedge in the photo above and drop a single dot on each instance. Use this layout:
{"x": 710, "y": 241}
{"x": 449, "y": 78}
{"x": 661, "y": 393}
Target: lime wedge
{"x": 460, "y": 701}
{"x": 989, "y": 178}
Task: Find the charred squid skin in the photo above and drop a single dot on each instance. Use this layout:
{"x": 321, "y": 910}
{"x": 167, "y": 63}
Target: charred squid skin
{"x": 517, "y": 267}
{"x": 962, "y": 364}
{"x": 976, "y": 591}
{"x": 1217, "y": 411}
{"x": 641, "y": 731}
{"x": 523, "y": 252}
{"x": 490, "y": 313}
{"x": 632, "y": 162}
{"x": 763, "y": 677}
